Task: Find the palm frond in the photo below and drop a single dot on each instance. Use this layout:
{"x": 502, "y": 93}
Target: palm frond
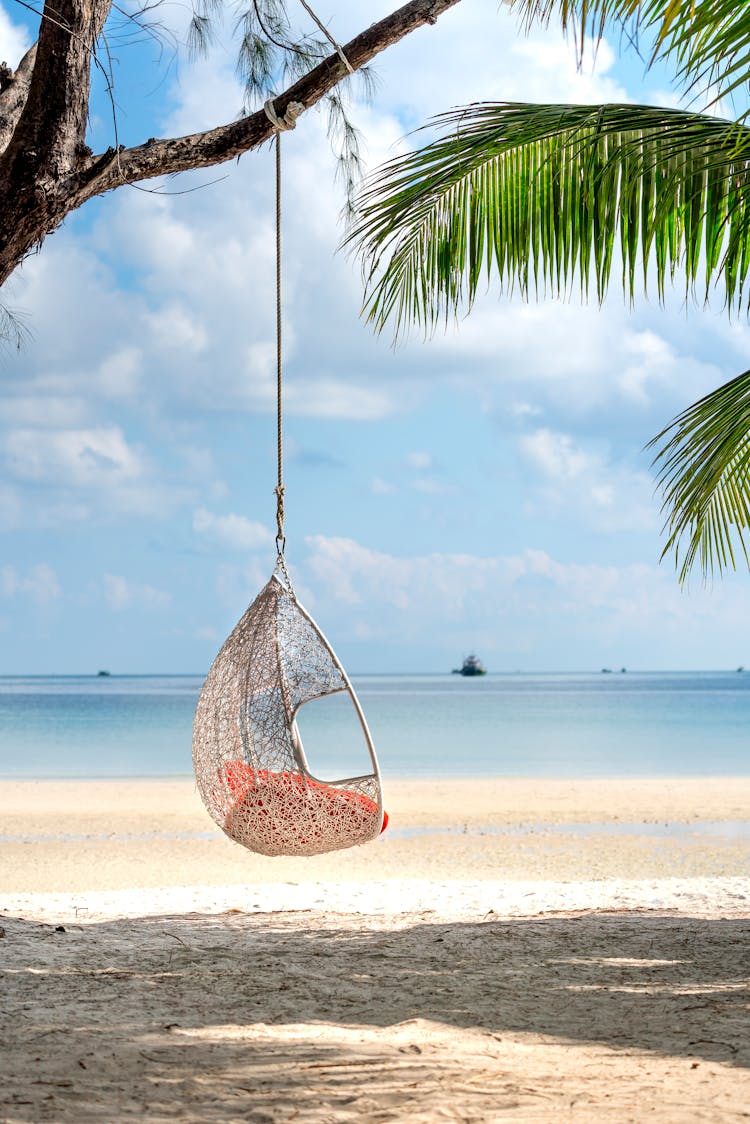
{"x": 703, "y": 467}
{"x": 539, "y": 196}
{"x": 708, "y": 42}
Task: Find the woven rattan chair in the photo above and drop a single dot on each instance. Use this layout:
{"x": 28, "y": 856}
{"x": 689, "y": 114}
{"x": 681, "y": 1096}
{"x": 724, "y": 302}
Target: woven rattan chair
{"x": 249, "y": 760}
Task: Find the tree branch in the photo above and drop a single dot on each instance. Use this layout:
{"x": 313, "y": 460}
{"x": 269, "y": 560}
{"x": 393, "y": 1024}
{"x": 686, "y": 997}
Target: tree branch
{"x": 15, "y": 90}
{"x": 215, "y": 146}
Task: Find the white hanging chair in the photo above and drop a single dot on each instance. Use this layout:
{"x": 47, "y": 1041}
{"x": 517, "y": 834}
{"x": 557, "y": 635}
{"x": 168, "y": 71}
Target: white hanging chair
{"x": 248, "y": 756}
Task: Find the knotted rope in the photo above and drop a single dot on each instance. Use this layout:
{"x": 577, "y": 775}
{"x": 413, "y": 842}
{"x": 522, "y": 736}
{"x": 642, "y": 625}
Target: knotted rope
{"x": 288, "y": 121}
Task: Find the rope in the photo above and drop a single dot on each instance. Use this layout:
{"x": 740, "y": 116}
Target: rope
{"x": 337, "y": 48}
{"x": 280, "y": 540}
{"x": 289, "y": 119}
{"x": 280, "y": 567}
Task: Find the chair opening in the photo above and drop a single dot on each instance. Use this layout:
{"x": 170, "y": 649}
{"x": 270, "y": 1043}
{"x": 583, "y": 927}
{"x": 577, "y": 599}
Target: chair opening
{"x": 332, "y": 738}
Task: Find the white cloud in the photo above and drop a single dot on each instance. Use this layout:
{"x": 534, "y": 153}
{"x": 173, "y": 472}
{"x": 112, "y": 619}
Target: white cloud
{"x": 75, "y": 328}
{"x": 212, "y": 342}
{"x": 380, "y": 487}
{"x": 429, "y": 486}
{"x": 207, "y": 92}
{"x": 331, "y": 398}
{"x": 10, "y": 508}
{"x": 207, "y": 632}
{"x": 54, "y": 411}
{"x": 40, "y": 584}
{"x": 355, "y": 575}
{"x": 649, "y": 359}
{"x": 52, "y": 397}
{"x": 555, "y": 455}
{"x": 525, "y": 609}
{"x": 581, "y": 484}
{"x": 237, "y": 586}
{"x": 581, "y": 367}
{"x": 174, "y": 328}
{"x": 83, "y": 458}
{"x": 549, "y": 65}
{"x": 119, "y": 374}
{"x": 419, "y": 461}
{"x": 478, "y": 53}
{"x": 523, "y": 410}
{"x": 14, "y": 40}
{"x": 233, "y": 531}
{"x": 73, "y": 475}
{"x": 120, "y": 594}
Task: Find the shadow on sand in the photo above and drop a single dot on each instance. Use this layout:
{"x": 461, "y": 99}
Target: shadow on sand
{"x": 309, "y": 1017}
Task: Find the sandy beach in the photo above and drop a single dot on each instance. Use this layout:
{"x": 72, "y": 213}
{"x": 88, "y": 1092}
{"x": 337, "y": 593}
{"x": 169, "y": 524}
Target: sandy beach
{"x": 510, "y": 949}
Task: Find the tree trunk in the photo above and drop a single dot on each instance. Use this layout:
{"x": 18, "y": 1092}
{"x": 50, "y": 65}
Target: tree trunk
{"x": 46, "y": 171}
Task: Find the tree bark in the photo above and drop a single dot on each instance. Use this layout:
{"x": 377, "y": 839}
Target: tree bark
{"x": 46, "y": 170}
{"x": 14, "y": 90}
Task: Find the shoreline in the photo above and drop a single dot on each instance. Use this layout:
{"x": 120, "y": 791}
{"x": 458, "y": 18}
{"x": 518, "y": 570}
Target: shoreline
{"x": 398, "y": 780}
{"x": 436, "y": 799}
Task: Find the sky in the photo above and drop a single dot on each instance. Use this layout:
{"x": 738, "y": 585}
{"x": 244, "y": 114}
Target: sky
{"x": 483, "y": 490}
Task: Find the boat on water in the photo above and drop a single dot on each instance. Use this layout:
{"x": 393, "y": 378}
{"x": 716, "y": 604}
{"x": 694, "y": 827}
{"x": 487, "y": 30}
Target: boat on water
{"x": 471, "y": 666}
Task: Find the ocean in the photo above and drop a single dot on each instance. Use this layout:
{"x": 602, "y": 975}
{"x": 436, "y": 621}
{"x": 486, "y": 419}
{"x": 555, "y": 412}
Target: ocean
{"x": 546, "y": 725}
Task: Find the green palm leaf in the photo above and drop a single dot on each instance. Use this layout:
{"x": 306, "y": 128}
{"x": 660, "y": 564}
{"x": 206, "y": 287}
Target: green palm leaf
{"x": 543, "y": 196}
{"x": 704, "y": 471}
{"x": 708, "y": 42}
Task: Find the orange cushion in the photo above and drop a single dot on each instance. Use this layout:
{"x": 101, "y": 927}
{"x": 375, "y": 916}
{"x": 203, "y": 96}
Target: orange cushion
{"x": 242, "y": 781}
